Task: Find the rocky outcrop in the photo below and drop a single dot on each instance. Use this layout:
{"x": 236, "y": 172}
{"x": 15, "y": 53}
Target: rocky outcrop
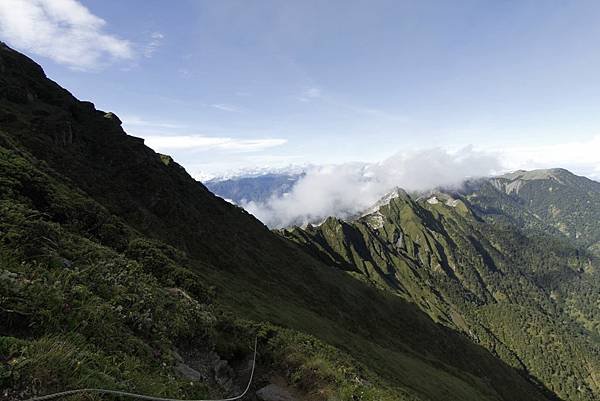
{"x": 113, "y": 117}
{"x": 273, "y": 392}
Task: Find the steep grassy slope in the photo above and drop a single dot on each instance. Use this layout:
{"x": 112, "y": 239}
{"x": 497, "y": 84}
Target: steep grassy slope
{"x": 77, "y": 313}
{"x": 514, "y": 294}
{"x": 113, "y": 257}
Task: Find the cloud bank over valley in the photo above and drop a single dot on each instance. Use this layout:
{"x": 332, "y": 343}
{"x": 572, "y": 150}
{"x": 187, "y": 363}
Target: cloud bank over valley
{"x": 346, "y": 189}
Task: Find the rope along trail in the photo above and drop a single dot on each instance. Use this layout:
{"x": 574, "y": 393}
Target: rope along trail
{"x": 145, "y": 397}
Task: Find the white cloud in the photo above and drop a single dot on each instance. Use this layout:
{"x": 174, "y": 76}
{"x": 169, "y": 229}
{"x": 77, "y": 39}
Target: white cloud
{"x": 346, "y": 189}
{"x": 63, "y": 30}
{"x": 225, "y": 107}
{"x": 581, "y": 157}
{"x": 199, "y": 143}
{"x": 136, "y": 121}
{"x": 152, "y": 46}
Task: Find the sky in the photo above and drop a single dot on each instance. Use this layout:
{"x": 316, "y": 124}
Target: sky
{"x": 232, "y": 85}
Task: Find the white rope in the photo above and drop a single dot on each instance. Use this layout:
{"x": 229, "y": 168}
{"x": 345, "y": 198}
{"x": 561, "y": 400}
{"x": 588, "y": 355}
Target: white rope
{"x": 145, "y": 397}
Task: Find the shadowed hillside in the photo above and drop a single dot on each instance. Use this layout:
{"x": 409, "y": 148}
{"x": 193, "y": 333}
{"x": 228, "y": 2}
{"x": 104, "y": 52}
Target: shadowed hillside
{"x": 121, "y": 271}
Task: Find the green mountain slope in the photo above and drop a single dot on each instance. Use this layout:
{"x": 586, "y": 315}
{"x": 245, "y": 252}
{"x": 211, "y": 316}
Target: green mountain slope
{"x": 552, "y": 200}
{"x": 518, "y": 295}
{"x": 119, "y": 270}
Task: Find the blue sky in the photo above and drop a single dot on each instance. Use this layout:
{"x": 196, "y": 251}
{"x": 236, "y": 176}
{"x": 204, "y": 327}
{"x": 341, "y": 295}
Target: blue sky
{"x": 226, "y": 84}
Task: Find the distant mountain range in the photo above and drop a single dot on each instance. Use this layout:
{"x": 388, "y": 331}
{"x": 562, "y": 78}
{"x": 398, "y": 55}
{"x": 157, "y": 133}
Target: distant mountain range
{"x": 253, "y": 187}
{"x": 552, "y": 200}
{"x": 118, "y": 270}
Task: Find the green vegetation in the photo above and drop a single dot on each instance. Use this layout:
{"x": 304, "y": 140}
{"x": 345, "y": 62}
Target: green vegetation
{"x": 531, "y": 299}
{"x": 119, "y": 270}
{"x": 76, "y": 313}
{"x": 553, "y": 200}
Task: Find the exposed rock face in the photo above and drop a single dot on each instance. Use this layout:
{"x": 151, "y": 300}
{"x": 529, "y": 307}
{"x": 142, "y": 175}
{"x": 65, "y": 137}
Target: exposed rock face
{"x": 433, "y": 200}
{"x": 187, "y": 372}
{"x": 223, "y": 373}
{"x": 273, "y": 392}
{"x": 196, "y": 365}
{"x": 113, "y": 117}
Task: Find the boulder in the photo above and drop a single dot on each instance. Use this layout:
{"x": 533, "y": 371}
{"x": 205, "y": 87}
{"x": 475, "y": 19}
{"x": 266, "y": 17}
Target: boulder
{"x": 187, "y": 372}
{"x": 273, "y": 392}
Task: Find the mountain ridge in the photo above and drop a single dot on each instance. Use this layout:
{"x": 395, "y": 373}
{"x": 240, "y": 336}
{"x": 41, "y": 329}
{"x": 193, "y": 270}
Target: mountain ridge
{"x": 112, "y": 252}
{"x": 555, "y": 200}
{"x": 457, "y": 266}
